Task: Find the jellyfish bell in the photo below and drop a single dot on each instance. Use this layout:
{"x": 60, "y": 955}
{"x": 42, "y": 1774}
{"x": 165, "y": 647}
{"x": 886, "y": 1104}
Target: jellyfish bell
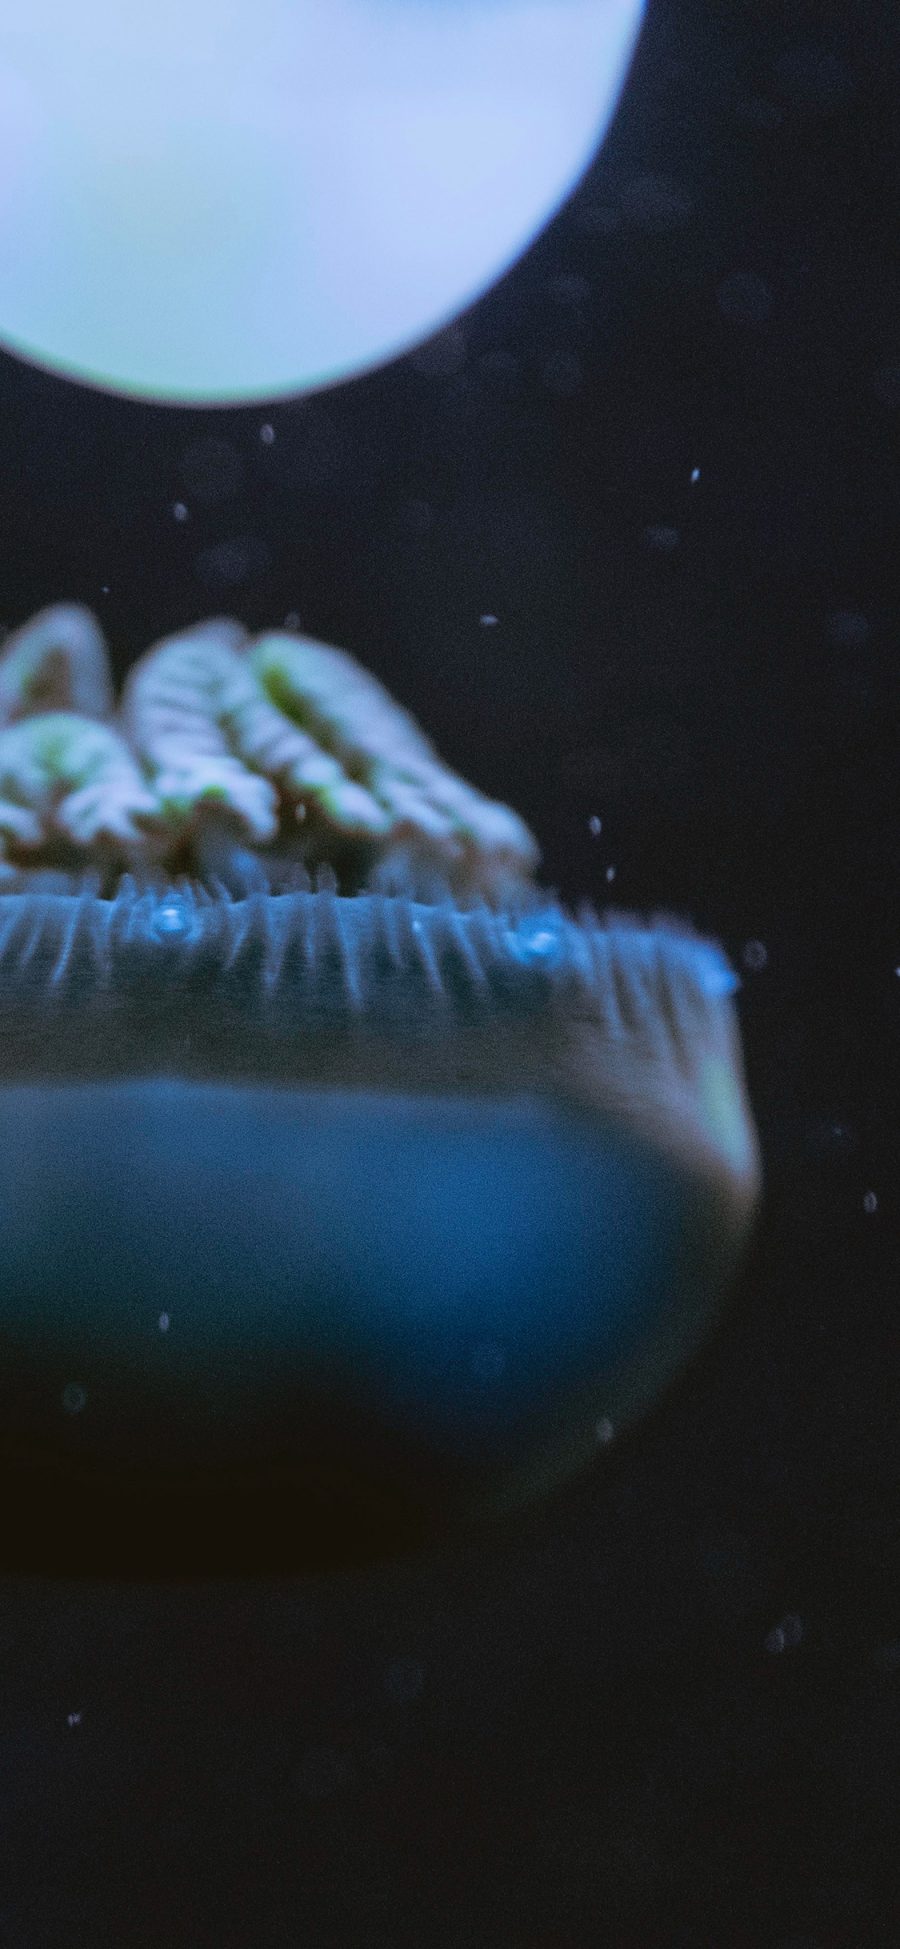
{"x": 208, "y": 205}
{"x": 341, "y": 1208}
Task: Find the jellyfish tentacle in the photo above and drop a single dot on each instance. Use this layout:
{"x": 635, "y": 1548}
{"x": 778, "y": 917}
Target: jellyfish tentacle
{"x": 57, "y": 661}
{"x": 655, "y": 1040}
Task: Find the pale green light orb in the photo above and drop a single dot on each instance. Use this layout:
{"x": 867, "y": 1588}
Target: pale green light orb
{"x": 218, "y": 201}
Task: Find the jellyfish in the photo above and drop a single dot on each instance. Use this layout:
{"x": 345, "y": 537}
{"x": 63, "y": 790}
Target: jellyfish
{"x": 354, "y": 1191}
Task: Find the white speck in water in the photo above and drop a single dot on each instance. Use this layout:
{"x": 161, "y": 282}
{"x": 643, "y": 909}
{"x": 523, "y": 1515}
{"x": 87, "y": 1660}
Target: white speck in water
{"x": 105, "y": 589}
{"x": 870, "y": 1202}
{"x": 164, "y": 1322}
{"x": 610, "y": 872}
{"x": 488, "y": 622}
{"x": 663, "y": 538}
{"x": 785, "y": 1636}
{"x": 595, "y": 825}
{"x": 695, "y": 476}
{"x": 180, "y": 511}
{"x": 267, "y": 434}
{"x": 755, "y": 956}
{"x": 74, "y": 1398}
{"x": 292, "y": 620}
{"x": 73, "y": 1719}
{"x": 604, "y": 1431}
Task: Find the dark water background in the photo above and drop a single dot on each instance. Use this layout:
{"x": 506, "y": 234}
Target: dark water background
{"x": 672, "y": 1718}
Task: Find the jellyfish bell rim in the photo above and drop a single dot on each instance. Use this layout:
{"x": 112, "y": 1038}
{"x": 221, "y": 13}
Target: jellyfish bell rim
{"x": 276, "y": 346}
{"x": 548, "y": 965}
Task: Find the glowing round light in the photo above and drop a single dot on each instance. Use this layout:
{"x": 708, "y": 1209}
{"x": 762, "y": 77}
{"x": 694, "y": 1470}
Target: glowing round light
{"x": 207, "y": 203}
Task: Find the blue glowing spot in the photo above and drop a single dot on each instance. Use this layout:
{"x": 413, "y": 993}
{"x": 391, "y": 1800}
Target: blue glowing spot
{"x": 532, "y": 942}
{"x": 171, "y": 921}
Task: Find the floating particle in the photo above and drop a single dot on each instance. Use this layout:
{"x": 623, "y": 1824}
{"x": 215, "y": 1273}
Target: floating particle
{"x": 663, "y": 538}
{"x": 846, "y": 629}
{"x": 755, "y": 956}
{"x": 785, "y": 1636}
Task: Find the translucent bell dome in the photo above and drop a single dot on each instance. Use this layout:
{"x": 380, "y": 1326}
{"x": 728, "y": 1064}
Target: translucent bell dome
{"x": 214, "y": 202}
